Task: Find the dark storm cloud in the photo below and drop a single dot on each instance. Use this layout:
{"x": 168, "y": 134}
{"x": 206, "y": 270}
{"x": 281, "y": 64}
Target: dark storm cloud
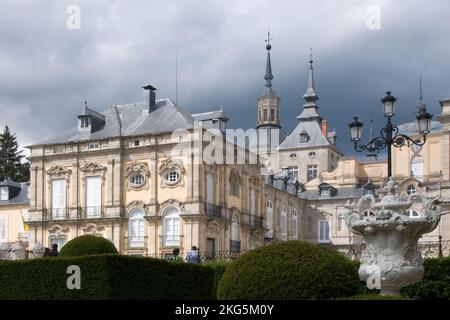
{"x": 47, "y": 70}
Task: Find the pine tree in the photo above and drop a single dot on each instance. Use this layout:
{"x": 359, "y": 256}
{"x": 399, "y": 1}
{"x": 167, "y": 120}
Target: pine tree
{"x": 11, "y": 166}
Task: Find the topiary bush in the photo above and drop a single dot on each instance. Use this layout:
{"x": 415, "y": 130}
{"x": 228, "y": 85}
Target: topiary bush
{"x": 290, "y": 270}
{"x": 435, "y": 284}
{"x": 87, "y": 245}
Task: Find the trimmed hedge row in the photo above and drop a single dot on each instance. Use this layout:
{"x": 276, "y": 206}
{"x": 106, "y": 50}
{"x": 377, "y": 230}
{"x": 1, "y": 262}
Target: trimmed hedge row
{"x": 87, "y": 245}
{"x": 290, "y": 270}
{"x": 106, "y": 277}
{"x": 435, "y": 284}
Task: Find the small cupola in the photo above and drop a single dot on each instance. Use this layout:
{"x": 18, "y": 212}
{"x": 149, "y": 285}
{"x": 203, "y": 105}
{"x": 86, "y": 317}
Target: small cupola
{"x": 151, "y": 97}
{"x": 90, "y": 120}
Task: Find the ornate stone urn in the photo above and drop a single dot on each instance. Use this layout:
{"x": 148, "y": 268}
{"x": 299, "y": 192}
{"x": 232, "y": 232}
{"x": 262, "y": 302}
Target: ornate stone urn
{"x": 391, "y": 229}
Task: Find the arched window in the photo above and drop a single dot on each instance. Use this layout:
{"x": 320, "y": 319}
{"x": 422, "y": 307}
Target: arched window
{"x": 417, "y": 167}
{"x": 171, "y": 227}
{"x": 411, "y": 189}
{"x": 136, "y": 229}
{"x": 294, "y": 226}
{"x": 413, "y": 214}
{"x": 283, "y": 223}
{"x": 269, "y": 218}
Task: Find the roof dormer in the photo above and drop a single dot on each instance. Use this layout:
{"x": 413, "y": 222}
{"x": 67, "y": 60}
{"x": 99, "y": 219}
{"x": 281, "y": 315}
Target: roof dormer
{"x": 326, "y": 190}
{"x": 8, "y": 190}
{"x": 90, "y": 120}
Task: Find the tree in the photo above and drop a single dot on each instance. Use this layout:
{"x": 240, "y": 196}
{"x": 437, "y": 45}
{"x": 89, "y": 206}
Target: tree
{"x": 11, "y": 166}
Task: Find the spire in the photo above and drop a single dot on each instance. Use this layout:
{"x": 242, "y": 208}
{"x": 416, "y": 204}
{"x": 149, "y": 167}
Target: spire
{"x": 268, "y": 77}
{"x": 310, "y": 95}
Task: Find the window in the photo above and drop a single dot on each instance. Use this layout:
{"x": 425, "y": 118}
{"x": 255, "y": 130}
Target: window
{"x": 58, "y": 149}
{"x": 85, "y": 122}
{"x": 324, "y": 231}
{"x": 293, "y": 155}
{"x": 311, "y": 172}
{"x": 294, "y": 172}
{"x": 411, "y": 190}
{"x": 58, "y": 198}
{"x": 294, "y": 227}
{"x": 312, "y": 154}
{"x": 417, "y": 167}
{"x": 136, "y": 230}
{"x": 93, "y": 196}
{"x": 3, "y": 228}
{"x": 272, "y": 114}
{"x": 253, "y": 202}
{"x": 325, "y": 192}
{"x": 235, "y": 244}
{"x": 137, "y": 180}
{"x": 172, "y": 177}
{"x": 4, "y": 193}
{"x": 60, "y": 241}
{"x": 94, "y": 146}
{"x": 283, "y": 223}
{"x": 413, "y": 214}
{"x": 209, "y": 187}
{"x": 136, "y": 143}
{"x": 265, "y": 114}
{"x": 304, "y": 136}
{"x": 172, "y": 227}
{"x": 269, "y": 218}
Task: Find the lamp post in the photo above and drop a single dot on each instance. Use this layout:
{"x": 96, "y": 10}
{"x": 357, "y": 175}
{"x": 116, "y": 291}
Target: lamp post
{"x": 389, "y": 135}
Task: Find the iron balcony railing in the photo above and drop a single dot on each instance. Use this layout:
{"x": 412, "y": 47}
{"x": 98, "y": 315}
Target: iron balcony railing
{"x": 56, "y": 214}
{"x": 235, "y": 246}
{"x": 213, "y": 210}
{"x": 92, "y": 212}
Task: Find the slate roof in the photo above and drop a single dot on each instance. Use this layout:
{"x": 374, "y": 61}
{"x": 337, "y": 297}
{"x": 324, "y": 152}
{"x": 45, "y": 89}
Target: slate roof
{"x": 21, "y": 198}
{"x": 342, "y": 193}
{"x": 131, "y": 120}
{"x": 316, "y": 137}
{"x": 218, "y": 114}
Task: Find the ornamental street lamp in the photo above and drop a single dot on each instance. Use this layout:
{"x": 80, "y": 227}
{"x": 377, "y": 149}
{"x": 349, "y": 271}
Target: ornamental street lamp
{"x": 389, "y": 135}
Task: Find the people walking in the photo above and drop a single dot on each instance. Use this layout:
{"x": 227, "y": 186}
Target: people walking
{"x": 193, "y": 256}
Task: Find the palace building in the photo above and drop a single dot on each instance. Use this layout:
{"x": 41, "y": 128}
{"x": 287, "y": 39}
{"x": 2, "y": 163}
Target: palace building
{"x": 151, "y": 177}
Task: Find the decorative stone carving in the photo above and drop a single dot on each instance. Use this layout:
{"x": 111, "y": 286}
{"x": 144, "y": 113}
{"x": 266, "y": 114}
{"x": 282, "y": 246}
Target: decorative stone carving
{"x": 213, "y": 228}
{"x": 18, "y": 251}
{"x": 171, "y": 203}
{"x": 137, "y": 205}
{"x": 38, "y": 250}
{"x": 93, "y": 168}
{"x": 235, "y": 183}
{"x": 168, "y": 166}
{"x": 391, "y": 235}
{"x": 137, "y": 168}
{"x": 58, "y": 172}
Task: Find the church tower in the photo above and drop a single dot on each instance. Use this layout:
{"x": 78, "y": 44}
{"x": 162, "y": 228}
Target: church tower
{"x": 268, "y": 102}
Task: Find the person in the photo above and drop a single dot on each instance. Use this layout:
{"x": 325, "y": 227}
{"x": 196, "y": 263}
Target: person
{"x": 54, "y": 251}
{"x": 176, "y": 255}
{"x": 46, "y": 252}
{"x": 193, "y": 256}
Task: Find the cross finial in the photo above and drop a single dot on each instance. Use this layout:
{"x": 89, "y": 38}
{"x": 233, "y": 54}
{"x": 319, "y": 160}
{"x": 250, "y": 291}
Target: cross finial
{"x": 268, "y": 38}
{"x": 310, "y": 56}
{"x": 420, "y": 89}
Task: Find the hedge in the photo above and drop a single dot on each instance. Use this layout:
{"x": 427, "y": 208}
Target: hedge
{"x": 290, "y": 270}
{"x": 87, "y": 245}
{"x": 435, "y": 284}
{"x": 105, "y": 277}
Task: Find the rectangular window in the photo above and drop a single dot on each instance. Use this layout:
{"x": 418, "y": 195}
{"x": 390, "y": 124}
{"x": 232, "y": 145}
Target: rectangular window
{"x": 3, "y": 228}
{"x": 272, "y": 114}
{"x": 172, "y": 231}
{"x": 324, "y": 231}
{"x": 4, "y": 193}
{"x": 294, "y": 228}
{"x": 59, "y": 149}
{"x": 58, "y": 198}
{"x": 265, "y": 114}
{"x": 253, "y": 202}
{"x": 209, "y": 188}
{"x": 84, "y": 122}
{"x": 59, "y": 241}
{"x": 93, "y": 196}
{"x": 311, "y": 172}
{"x": 283, "y": 227}
{"x": 137, "y": 232}
{"x": 294, "y": 172}
{"x": 93, "y": 146}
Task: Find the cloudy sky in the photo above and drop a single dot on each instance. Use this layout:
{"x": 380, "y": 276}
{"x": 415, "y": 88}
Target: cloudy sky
{"x": 48, "y": 66}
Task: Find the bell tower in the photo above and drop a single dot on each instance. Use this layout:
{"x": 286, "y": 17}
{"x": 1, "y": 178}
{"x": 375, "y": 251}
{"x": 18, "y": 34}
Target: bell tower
{"x": 268, "y": 103}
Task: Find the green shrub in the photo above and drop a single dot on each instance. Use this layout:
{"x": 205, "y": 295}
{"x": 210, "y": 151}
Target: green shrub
{"x": 219, "y": 267}
{"x": 107, "y": 276}
{"x": 87, "y": 245}
{"x": 289, "y": 270}
{"x": 435, "y": 283}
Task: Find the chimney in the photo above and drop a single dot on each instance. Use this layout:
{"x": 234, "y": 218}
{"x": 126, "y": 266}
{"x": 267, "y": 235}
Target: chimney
{"x": 152, "y": 97}
{"x": 325, "y": 128}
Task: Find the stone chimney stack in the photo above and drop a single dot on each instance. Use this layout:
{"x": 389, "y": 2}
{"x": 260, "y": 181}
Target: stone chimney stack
{"x": 152, "y": 97}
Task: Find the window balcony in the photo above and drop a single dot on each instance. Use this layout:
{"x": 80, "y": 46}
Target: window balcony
{"x": 256, "y": 221}
{"x": 213, "y": 210}
{"x": 235, "y": 246}
{"x": 92, "y": 212}
{"x": 56, "y": 214}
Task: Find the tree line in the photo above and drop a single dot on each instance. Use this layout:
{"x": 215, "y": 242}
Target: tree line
{"x": 12, "y": 166}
